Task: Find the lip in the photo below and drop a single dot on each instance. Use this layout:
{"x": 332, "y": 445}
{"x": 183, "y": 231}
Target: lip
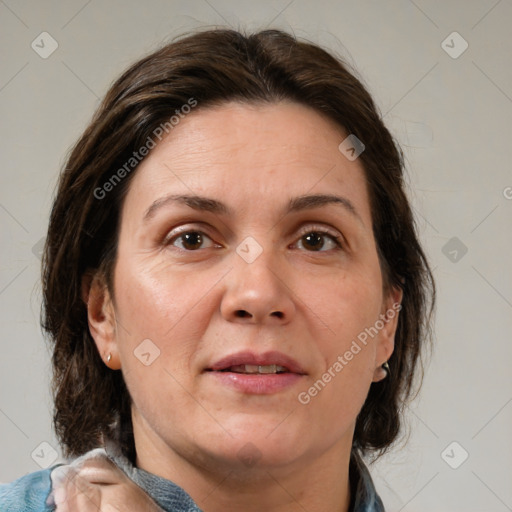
{"x": 257, "y": 384}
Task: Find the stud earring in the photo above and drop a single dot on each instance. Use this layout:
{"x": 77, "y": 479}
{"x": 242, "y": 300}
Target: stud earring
{"x": 109, "y": 357}
{"x": 386, "y": 368}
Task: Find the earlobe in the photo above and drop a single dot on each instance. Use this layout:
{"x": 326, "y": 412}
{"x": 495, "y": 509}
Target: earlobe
{"x": 101, "y": 318}
{"x": 112, "y": 362}
{"x": 380, "y": 373}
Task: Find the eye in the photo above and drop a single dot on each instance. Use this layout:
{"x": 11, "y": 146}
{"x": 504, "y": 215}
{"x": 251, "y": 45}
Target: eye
{"x": 191, "y": 240}
{"x": 314, "y": 240}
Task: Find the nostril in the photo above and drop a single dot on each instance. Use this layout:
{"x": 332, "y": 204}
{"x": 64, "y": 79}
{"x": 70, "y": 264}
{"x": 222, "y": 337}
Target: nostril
{"x": 241, "y": 313}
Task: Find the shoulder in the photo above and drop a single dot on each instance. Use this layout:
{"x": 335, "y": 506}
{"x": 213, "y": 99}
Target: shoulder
{"x": 28, "y": 493}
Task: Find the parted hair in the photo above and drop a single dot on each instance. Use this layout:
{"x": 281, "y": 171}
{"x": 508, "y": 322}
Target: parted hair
{"x": 212, "y": 67}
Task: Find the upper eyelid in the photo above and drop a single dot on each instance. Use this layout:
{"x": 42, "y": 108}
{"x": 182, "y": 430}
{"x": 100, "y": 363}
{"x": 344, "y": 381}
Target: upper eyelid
{"x": 318, "y": 227}
{"x": 306, "y": 226}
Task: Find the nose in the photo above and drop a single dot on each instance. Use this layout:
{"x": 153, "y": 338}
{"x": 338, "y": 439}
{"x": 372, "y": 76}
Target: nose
{"x": 257, "y": 292}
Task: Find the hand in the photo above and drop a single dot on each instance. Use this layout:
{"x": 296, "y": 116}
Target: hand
{"x": 96, "y": 484}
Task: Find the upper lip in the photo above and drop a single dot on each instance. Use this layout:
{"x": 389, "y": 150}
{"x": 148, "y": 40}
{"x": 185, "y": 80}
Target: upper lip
{"x": 267, "y": 358}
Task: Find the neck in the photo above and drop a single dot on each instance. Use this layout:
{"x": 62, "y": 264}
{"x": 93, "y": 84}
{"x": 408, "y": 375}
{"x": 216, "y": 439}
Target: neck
{"x": 318, "y": 484}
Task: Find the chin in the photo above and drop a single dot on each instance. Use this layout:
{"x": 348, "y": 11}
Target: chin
{"x": 256, "y": 446}
{"x": 246, "y": 456}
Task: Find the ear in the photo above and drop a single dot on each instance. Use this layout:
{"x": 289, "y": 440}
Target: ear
{"x": 391, "y": 307}
{"x": 101, "y": 317}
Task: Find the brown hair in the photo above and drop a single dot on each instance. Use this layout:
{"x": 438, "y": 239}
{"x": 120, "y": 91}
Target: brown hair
{"x": 211, "y": 68}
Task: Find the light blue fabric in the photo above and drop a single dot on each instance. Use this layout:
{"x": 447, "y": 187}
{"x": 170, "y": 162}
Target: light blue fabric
{"x": 30, "y": 493}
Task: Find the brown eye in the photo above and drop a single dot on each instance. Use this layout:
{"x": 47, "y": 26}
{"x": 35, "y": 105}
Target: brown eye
{"x": 316, "y": 241}
{"x": 190, "y": 240}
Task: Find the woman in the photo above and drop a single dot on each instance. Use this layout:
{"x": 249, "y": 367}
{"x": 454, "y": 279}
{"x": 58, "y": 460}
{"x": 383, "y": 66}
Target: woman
{"x": 233, "y": 286}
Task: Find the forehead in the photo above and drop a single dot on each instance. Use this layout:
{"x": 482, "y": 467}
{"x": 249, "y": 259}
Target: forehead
{"x": 286, "y": 130}
{"x": 240, "y": 153}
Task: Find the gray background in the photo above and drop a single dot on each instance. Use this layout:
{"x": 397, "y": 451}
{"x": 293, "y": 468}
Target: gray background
{"x": 452, "y": 116}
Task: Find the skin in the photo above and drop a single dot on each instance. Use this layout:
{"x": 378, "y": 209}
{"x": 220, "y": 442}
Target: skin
{"x": 186, "y": 299}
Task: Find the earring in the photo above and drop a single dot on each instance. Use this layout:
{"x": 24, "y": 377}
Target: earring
{"x": 109, "y": 357}
{"x": 386, "y": 368}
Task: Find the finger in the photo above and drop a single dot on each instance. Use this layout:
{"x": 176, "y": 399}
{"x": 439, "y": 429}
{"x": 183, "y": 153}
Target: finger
{"x": 101, "y": 471}
{"x": 79, "y": 495}
{"x": 110, "y": 508}
{"x": 88, "y": 500}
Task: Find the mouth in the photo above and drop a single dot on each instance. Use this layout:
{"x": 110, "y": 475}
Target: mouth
{"x": 251, "y": 369}
{"x": 261, "y": 374}
{"x": 250, "y": 363}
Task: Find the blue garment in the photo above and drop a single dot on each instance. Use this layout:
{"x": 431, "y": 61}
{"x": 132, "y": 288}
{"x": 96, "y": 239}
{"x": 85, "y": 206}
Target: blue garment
{"x": 28, "y": 493}
{"x": 32, "y": 492}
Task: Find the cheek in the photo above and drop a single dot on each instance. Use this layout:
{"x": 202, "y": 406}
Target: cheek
{"x": 339, "y": 388}
{"x": 346, "y": 306}
{"x": 147, "y": 301}
{"x": 157, "y": 336}
{"x": 168, "y": 307}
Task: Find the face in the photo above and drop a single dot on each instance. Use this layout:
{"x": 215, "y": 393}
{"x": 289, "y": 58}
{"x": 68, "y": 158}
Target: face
{"x": 231, "y": 303}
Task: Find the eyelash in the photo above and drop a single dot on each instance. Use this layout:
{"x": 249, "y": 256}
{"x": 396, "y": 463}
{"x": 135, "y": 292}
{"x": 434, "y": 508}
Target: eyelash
{"x": 303, "y": 232}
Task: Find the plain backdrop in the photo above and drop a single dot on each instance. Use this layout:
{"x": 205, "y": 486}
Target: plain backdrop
{"x": 441, "y": 75}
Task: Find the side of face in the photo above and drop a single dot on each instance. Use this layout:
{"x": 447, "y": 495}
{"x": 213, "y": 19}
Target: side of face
{"x": 195, "y": 286}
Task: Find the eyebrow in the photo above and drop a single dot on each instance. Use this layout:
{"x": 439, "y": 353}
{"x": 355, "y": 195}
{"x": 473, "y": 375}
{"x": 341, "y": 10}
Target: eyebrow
{"x": 207, "y": 204}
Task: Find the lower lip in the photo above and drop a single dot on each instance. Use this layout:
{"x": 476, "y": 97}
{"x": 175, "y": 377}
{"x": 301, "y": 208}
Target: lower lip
{"x": 257, "y": 384}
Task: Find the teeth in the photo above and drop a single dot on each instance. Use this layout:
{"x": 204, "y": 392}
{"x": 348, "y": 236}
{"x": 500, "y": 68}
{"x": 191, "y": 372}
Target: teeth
{"x": 249, "y": 368}
{"x": 253, "y": 368}
{"x": 271, "y": 368}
